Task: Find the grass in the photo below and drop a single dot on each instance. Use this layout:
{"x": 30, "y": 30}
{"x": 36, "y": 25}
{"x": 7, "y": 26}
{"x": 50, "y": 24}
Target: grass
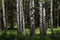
{"x": 12, "y": 35}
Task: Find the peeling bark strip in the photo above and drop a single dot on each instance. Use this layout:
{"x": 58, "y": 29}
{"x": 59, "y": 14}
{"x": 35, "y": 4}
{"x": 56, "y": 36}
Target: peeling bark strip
{"x": 4, "y": 17}
{"x": 32, "y": 20}
{"x": 20, "y": 17}
{"x": 51, "y": 16}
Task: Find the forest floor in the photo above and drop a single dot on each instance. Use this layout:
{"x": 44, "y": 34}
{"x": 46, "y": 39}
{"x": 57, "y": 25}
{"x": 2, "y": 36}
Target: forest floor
{"x": 12, "y": 35}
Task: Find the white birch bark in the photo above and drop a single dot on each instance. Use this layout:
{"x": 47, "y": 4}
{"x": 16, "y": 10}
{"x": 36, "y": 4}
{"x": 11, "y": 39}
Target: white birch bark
{"x": 44, "y": 20}
{"x": 18, "y": 23}
{"x": 51, "y": 16}
{"x": 4, "y": 17}
{"x": 23, "y": 18}
{"x": 31, "y": 15}
{"x": 40, "y": 13}
{"x": 20, "y": 17}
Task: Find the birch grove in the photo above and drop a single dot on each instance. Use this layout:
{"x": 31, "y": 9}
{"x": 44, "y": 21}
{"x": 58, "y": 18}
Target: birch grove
{"x": 25, "y": 19}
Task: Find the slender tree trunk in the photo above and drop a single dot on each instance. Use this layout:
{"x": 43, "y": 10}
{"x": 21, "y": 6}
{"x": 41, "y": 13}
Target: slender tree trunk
{"x": 18, "y": 22}
{"x": 23, "y": 18}
{"x": 21, "y": 24}
{"x": 20, "y": 17}
{"x": 40, "y": 12}
{"x": 0, "y": 21}
{"x": 51, "y": 17}
{"x": 24, "y": 25}
{"x": 58, "y": 13}
{"x": 32, "y": 20}
{"x": 4, "y": 17}
{"x": 44, "y": 20}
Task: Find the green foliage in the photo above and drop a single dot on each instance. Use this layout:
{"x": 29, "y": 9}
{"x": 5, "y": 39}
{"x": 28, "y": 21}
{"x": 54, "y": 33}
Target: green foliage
{"x": 13, "y": 33}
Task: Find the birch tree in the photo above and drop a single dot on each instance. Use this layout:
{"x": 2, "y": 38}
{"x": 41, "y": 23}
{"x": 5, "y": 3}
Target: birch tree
{"x": 44, "y": 20}
{"x": 0, "y": 21}
{"x": 42, "y": 17}
{"x": 4, "y": 17}
{"x": 51, "y": 16}
{"x": 18, "y": 22}
{"x": 58, "y": 13}
{"x": 20, "y": 17}
{"x": 23, "y": 17}
{"x": 40, "y": 13}
{"x": 31, "y": 15}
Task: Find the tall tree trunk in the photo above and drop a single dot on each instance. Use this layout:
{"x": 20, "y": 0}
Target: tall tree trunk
{"x": 20, "y": 17}
{"x": 32, "y": 20}
{"x": 4, "y": 17}
{"x": 23, "y": 17}
{"x": 18, "y": 22}
{"x": 44, "y": 20}
{"x": 55, "y": 13}
{"x": 21, "y": 7}
{"x": 0, "y": 20}
{"x": 58, "y": 13}
{"x": 51, "y": 17}
{"x": 40, "y": 12}
{"x": 6, "y": 13}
